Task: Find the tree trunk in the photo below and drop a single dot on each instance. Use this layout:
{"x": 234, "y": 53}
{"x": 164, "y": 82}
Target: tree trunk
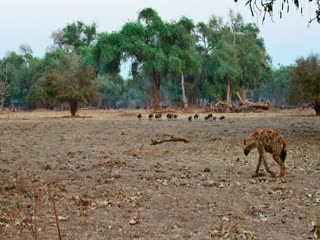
{"x": 156, "y": 88}
{"x": 2, "y": 103}
{"x": 317, "y": 107}
{"x": 244, "y": 93}
{"x": 184, "y": 98}
{"x": 229, "y": 91}
{"x": 73, "y": 108}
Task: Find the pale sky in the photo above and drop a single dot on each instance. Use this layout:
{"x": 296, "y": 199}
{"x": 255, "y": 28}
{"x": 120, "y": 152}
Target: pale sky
{"x": 32, "y": 22}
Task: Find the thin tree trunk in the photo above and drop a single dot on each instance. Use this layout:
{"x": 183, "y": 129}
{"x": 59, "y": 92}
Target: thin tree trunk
{"x": 2, "y": 103}
{"x": 317, "y": 107}
{"x": 244, "y": 93}
{"x": 184, "y": 98}
{"x": 229, "y": 91}
{"x": 156, "y": 87}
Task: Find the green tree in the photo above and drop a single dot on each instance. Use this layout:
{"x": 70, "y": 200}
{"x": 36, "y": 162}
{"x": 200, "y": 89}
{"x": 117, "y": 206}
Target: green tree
{"x": 254, "y": 60}
{"x": 4, "y": 84}
{"x": 180, "y": 51}
{"x": 237, "y": 57}
{"x": 304, "y": 82}
{"x": 74, "y": 36}
{"x": 20, "y": 71}
{"x": 276, "y": 91}
{"x": 151, "y": 45}
{"x": 110, "y": 88}
{"x": 72, "y": 81}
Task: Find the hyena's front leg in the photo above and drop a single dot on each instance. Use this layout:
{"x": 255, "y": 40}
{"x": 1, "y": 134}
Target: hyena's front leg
{"x": 267, "y": 167}
{"x": 258, "y": 166}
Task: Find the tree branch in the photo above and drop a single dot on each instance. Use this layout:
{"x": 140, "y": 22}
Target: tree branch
{"x": 171, "y": 139}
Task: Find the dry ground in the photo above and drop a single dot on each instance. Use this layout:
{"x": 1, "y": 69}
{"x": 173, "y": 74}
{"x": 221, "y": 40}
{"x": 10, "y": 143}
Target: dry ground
{"x": 107, "y": 181}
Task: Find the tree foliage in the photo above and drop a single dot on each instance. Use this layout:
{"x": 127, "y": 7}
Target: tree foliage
{"x": 184, "y": 62}
{"x": 72, "y": 82}
{"x": 110, "y": 89}
{"x": 74, "y": 36}
{"x": 304, "y": 82}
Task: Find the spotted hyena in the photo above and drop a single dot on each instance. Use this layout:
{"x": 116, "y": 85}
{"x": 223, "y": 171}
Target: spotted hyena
{"x": 267, "y": 141}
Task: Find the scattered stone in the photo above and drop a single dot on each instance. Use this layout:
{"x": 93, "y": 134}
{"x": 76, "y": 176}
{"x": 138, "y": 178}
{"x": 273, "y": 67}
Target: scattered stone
{"x": 207, "y": 169}
{"x": 209, "y": 183}
{"x": 134, "y": 221}
{"x": 61, "y": 218}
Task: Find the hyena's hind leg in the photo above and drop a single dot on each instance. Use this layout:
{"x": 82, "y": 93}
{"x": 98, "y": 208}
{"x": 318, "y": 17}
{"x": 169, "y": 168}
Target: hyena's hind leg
{"x": 276, "y": 157}
{"x": 263, "y": 156}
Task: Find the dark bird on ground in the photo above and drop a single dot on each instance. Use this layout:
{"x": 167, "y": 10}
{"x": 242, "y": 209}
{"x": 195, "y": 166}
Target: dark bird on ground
{"x": 222, "y": 117}
{"x": 175, "y": 116}
{"x": 190, "y": 118}
{"x": 158, "y": 116}
{"x": 139, "y": 116}
{"x": 150, "y": 116}
{"x": 210, "y": 115}
{"x": 169, "y": 116}
{"x": 196, "y": 116}
{"x": 206, "y": 118}
{"x": 214, "y": 118}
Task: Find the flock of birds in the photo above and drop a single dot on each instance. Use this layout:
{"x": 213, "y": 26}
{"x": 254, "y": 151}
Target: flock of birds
{"x": 171, "y": 116}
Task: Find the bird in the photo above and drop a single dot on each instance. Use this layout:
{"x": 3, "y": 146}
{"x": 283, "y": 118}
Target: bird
{"x": 196, "y": 116}
{"x": 158, "y": 116}
{"x": 175, "y": 116}
{"x": 210, "y": 115}
{"x": 169, "y": 116}
{"x": 190, "y": 118}
{"x": 139, "y": 116}
{"x": 150, "y": 116}
{"x": 206, "y": 118}
{"x": 222, "y": 117}
{"x": 214, "y": 118}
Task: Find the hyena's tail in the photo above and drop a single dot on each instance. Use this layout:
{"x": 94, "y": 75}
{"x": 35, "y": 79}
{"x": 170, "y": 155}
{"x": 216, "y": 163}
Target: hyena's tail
{"x": 283, "y": 153}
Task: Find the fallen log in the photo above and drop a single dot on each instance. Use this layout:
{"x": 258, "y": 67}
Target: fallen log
{"x": 250, "y": 106}
{"x": 223, "y": 107}
{"x": 171, "y": 139}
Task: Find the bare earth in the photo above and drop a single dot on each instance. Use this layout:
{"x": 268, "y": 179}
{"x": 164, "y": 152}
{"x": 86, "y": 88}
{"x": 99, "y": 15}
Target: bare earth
{"x": 107, "y": 181}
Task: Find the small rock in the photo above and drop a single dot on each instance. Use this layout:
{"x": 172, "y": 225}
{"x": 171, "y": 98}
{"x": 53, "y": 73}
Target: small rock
{"x": 263, "y": 217}
{"x": 134, "y": 221}
{"x": 209, "y": 183}
{"x": 309, "y": 195}
{"x": 61, "y": 218}
{"x": 207, "y": 169}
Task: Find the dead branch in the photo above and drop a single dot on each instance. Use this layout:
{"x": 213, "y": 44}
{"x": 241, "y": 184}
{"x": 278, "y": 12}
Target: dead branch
{"x": 250, "y": 106}
{"x": 170, "y": 139}
{"x": 55, "y": 212}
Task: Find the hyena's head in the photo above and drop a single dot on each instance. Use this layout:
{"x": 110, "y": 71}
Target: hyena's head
{"x": 249, "y": 143}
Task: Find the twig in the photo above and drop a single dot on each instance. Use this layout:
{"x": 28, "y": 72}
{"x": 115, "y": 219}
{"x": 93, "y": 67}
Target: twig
{"x": 171, "y": 139}
{"x": 55, "y": 212}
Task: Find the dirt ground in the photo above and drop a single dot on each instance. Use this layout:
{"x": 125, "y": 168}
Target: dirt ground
{"x": 99, "y": 177}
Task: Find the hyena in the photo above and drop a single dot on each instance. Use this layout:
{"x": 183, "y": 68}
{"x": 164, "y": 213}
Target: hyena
{"x": 267, "y": 141}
